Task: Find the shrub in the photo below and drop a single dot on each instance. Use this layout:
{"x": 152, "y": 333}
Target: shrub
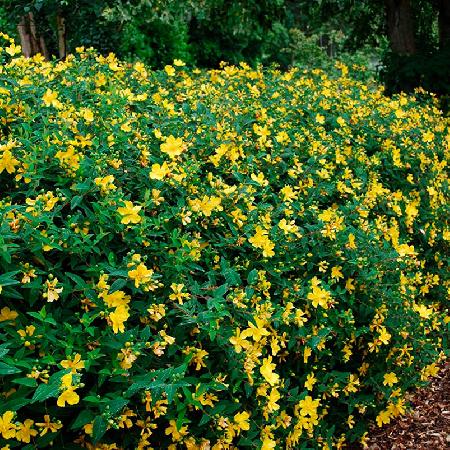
{"x": 225, "y": 258}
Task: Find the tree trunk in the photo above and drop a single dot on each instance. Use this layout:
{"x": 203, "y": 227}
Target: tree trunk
{"x": 30, "y": 40}
{"x": 25, "y": 37}
{"x": 35, "y": 41}
{"x": 61, "y": 26}
{"x": 400, "y": 26}
{"x": 444, "y": 23}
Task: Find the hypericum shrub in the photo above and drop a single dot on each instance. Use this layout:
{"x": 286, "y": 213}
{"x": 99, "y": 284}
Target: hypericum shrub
{"x": 214, "y": 259}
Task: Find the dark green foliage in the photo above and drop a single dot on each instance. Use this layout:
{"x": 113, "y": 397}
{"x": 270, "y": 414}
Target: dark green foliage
{"x": 430, "y": 70}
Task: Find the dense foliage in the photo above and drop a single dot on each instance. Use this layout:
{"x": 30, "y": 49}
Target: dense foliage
{"x": 214, "y": 259}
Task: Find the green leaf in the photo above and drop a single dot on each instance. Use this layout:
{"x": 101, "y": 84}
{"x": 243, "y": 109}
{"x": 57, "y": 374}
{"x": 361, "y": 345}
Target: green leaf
{"x": 76, "y": 201}
{"x": 116, "y": 405}
{"x": 98, "y": 429}
{"x": 31, "y": 382}
{"x": 6, "y": 369}
{"x": 77, "y": 279}
{"x": 252, "y": 277}
{"x": 117, "y": 285}
{"x": 4, "y": 349}
{"x": 6, "y": 279}
{"x": 93, "y": 399}
{"x": 45, "y": 391}
{"x": 82, "y": 419}
{"x": 204, "y": 420}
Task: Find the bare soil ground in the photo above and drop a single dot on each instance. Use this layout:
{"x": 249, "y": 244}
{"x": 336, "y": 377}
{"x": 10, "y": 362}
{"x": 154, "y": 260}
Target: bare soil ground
{"x": 426, "y": 427}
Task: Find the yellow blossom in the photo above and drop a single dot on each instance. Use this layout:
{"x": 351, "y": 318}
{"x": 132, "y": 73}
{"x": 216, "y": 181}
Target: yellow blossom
{"x": 7, "y": 314}
{"x": 118, "y": 318}
{"x": 173, "y": 146}
{"x": 76, "y": 364}
{"x": 159, "y": 171}
{"x": 140, "y": 275}
{"x": 129, "y": 213}
{"x": 390, "y": 379}
{"x": 68, "y": 396}
{"x": 320, "y": 297}
{"x": 8, "y": 162}
{"x": 7, "y": 428}
{"x": 48, "y": 426}
{"x": 242, "y": 421}
{"x": 267, "y": 371}
{"x": 177, "y": 434}
{"x": 25, "y": 432}
{"x": 50, "y": 98}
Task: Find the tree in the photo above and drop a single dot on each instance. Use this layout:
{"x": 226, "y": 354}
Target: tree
{"x": 46, "y": 26}
{"x": 400, "y": 26}
{"x": 444, "y": 23}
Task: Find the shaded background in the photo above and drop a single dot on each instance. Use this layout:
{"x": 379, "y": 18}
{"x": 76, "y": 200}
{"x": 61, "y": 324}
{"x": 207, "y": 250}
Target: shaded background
{"x": 403, "y": 42}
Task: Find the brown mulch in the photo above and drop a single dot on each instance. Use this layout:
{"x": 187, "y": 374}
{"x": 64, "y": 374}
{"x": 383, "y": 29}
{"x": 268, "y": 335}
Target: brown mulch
{"x": 426, "y": 427}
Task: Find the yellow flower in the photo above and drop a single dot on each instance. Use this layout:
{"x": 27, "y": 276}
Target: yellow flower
{"x": 117, "y": 298}
{"x": 88, "y": 115}
{"x": 206, "y": 205}
{"x": 241, "y": 421}
{"x": 350, "y": 421}
{"x": 238, "y": 341}
{"x": 308, "y": 406}
{"x": 69, "y": 396}
{"x": 351, "y": 241}
{"x": 8, "y": 162}
{"x": 311, "y": 380}
{"x": 159, "y": 171}
{"x": 260, "y": 179}
{"x": 47, "y": 426}
{"x": 383, "y": 417}
{"x": 256, "y": 332}
{"x": 336, "y": 272}
{"x": 390, "y": 379}
{"x": 177, "y": 434}
{"x": 7, "y": 428}
{"x": 261, "y": 240}
{"x": 427, "y": 136}
{"x": 274, "y": 396}
{"x": 173, "y": 146}
{"x": 268, "y": 443}
{"x": 267, "y": 371}
{"x": 76, "y": 364}
{"x": 106, "y": 183}
{"x": 140, "y": 275}
{"x": 198, "y": 358}
{"x": 7, "y": 314}
{"x": 177, "y": 293}
{"x": 320, "y": 119}
{"x": 50, "y": 98}
{"x": 423, "y": 311}
{"x": 24, "y": 431}
{"x": 170, "y": 70}
{"x": 129, "y": 213}
{"x": 320, "y": 297}
{"x": 13, "y": 49}
{"x": 384, "y": 336}
{"x": 118, "y": 318}
{"x": 66, "y": 380}
{"x": 53, "y": 292}
{"x": 349, "y": 285}
{"x": 429, "y": 371}
{"x": 307, "y": 352}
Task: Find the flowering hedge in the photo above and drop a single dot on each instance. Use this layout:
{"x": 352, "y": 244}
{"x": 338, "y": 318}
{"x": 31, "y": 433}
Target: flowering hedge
{"x": 214, "y": 259}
